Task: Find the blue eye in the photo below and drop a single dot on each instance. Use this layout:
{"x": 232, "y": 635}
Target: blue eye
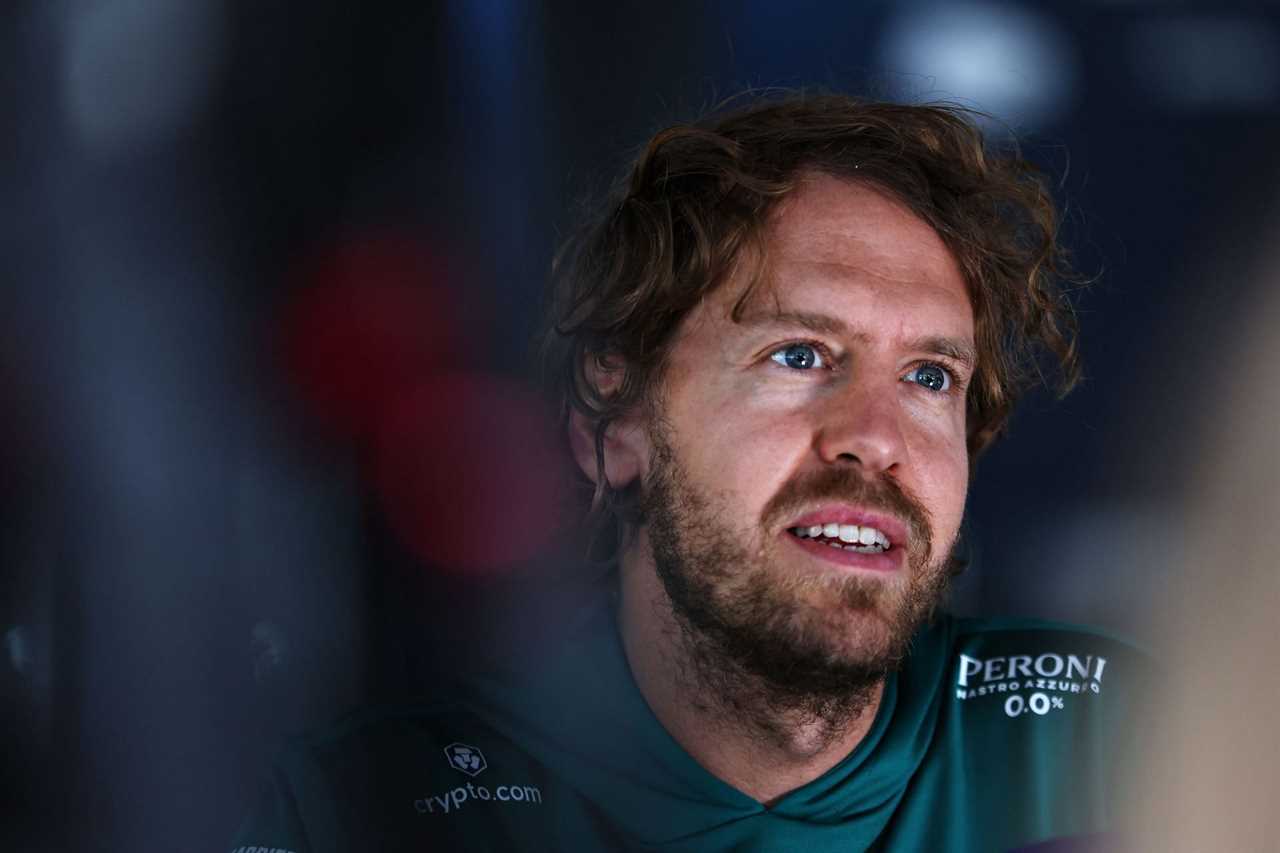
{"x": 931, "y": 376}
{"x": 798, "y": 357}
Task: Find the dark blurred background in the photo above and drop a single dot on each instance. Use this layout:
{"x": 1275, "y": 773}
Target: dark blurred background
{"x": 271, "y": 271}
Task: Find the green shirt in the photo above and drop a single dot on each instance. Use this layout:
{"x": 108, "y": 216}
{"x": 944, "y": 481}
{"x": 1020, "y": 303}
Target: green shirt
{"x": 995, "y": 734}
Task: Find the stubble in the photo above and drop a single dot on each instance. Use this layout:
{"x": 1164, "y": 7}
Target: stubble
{"x": 772, "y": 647}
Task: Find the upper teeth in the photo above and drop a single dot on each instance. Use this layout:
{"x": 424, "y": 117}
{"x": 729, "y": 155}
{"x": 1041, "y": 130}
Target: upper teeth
{"x": 850, "y": 533}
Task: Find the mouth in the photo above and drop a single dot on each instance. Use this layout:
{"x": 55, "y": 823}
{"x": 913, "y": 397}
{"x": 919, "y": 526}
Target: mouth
{"x": 863, "y": 539}
{"x": 851, "y": 537}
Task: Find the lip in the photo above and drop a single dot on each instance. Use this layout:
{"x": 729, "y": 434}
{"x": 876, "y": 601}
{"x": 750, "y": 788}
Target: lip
{"x": 885, "y": 562}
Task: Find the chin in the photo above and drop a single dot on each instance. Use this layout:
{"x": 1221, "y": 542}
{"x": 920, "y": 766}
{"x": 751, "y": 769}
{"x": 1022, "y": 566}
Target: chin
{"x": 860, "y": 621}
{"x": 860, "y": 639}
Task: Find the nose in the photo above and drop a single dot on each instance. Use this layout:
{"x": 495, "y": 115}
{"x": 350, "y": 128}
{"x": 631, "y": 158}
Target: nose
{"x": 861, "y": 423}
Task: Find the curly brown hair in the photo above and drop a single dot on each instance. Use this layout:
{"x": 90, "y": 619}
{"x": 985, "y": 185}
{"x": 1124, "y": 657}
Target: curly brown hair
{"x": 699, "y": 198}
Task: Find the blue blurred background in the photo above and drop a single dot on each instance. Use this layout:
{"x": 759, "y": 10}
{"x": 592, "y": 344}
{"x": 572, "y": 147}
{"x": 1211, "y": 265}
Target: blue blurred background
{"x": 271, "y": 272}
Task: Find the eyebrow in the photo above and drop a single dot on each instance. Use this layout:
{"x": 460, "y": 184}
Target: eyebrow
{"x": 956, "y": 349}
{"x": 952, "y": 348}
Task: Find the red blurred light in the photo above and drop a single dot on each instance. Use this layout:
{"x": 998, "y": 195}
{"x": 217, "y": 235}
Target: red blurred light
{"x": 369, "y": 318}
{"x": 469, "y": 471}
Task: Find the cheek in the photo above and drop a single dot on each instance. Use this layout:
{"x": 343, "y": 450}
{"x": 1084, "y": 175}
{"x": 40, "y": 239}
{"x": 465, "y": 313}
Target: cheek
{"x": 745, "y": 447}
{"x": 944, "y": 471}
{"x": 939, "y": 465}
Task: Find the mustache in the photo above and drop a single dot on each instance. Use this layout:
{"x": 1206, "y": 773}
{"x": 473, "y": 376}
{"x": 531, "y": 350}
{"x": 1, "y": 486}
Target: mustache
{"x": 846, "y": 485}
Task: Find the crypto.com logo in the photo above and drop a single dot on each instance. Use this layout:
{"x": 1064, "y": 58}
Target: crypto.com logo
{"x": 468, "y": 759}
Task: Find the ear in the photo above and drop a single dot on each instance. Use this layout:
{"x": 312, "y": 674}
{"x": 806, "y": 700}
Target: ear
{"x": 626, "y": 444}
{"x": 625, "y": 450}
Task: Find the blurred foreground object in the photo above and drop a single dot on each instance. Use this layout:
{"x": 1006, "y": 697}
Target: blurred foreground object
{"x": 1215, "y": 759}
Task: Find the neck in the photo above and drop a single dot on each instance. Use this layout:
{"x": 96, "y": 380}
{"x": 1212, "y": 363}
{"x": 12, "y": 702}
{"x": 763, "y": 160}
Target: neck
{"x": 724, "y": 717}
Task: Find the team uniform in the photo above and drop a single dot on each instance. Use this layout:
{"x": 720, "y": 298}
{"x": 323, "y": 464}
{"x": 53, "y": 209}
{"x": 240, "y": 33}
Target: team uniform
{"x": 995, "y": 734}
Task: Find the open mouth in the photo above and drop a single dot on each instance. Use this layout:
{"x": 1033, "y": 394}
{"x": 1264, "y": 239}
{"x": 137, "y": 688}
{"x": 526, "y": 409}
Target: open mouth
{"x": 846, "y": 537}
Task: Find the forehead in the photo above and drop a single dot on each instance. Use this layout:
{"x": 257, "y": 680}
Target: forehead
{"x": 833, "y": 234}
{"x": 831, "y": 217}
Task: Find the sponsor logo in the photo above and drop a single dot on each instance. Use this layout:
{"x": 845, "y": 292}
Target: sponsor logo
{"x": 466, "y": 758}
{"x": 1052, "y": 677}
{"x": 470, "y": 760}
{"x": 452, "y": 801}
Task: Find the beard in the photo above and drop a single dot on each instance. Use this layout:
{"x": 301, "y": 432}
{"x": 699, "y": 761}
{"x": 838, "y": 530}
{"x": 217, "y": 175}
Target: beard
{"x": 777, "y": 646}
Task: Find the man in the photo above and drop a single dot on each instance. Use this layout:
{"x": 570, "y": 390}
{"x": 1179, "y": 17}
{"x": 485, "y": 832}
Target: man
{"x": 780, "y": 348}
